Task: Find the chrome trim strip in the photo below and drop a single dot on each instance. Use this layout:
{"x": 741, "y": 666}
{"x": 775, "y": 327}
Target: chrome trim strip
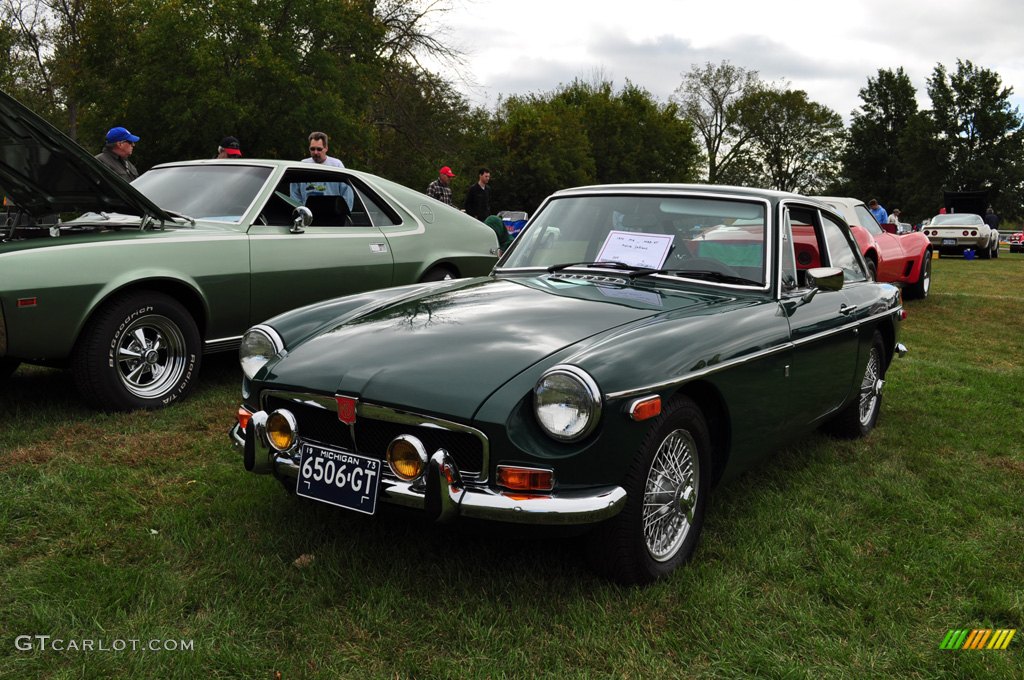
{"x": 222, "y": 344}
{"x": 656, "y": 387}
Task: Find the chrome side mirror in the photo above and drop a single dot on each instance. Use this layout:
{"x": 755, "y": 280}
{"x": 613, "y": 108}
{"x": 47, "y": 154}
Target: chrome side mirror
{"x": 825, "y": 278}
{"x": 303, "y": 218}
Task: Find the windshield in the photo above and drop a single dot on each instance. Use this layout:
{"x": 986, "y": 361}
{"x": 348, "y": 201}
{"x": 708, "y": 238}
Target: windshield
{"x": 694, "y": 237}
{"x": 956, "y": 219}
{"x": 212, "y": 192}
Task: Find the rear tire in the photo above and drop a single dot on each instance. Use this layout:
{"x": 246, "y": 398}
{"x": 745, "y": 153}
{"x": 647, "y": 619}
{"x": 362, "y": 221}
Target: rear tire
{"x": 919, "y": 290}
{"x": 141, "y": 350}
{"x": 667, "y": 488}
{"x": 858, "y": 418}
{"x": 440, "y": 273}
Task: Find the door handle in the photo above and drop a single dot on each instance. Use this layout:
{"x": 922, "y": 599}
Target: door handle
{"x": 846, "y": 309}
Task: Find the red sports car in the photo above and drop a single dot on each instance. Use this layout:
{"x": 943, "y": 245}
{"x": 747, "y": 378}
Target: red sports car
{"x": 895, "y": 258}
{"x": 1017, "y": 242}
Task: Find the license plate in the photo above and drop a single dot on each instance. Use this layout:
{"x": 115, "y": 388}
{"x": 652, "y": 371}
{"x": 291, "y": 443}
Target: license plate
{"x": 338, "y": 477}
{"x": 949, "y": 241}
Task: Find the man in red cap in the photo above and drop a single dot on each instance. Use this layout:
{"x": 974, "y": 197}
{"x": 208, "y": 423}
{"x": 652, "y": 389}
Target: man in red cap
{"x": 229, "y": 148}
{"x": 440, "y": 188}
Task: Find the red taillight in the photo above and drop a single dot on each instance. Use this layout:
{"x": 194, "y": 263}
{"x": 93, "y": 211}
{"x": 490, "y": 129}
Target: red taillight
{"x": 27, "y": 302}
{"x": 525, "y": 479}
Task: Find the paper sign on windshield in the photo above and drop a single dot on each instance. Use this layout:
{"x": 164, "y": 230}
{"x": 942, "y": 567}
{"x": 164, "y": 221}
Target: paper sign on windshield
{"x": 636, "y": 249}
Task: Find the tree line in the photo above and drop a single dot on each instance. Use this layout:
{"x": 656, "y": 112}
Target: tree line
{"x": 184, "y": 74}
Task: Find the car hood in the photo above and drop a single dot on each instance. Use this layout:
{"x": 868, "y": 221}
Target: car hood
{"x": 448, "y": 350}
{"x": 43, "y": 171}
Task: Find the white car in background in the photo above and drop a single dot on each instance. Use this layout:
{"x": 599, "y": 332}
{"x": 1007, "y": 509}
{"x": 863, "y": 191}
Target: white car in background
{"x": 954, "y": 233}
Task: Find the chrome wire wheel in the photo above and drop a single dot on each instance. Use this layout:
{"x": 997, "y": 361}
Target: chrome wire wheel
{"x": 151, "y": 356}
{"x": 670, "y": 495}
{"x": 871, "y": 388}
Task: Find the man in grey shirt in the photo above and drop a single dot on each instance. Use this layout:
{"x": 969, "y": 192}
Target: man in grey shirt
{"x": 300, "y": 191}
{"x": 119, "y": 146}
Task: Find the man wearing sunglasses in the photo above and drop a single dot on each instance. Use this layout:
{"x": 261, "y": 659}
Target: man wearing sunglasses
{"x": 118, "y": 147}
{"x": 319, "y": 186}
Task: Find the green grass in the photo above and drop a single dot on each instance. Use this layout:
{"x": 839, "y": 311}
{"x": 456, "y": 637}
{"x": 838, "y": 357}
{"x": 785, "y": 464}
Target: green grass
{"x": 833, "y": 559}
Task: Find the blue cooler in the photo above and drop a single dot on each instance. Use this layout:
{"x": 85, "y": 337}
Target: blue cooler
{"x": 514, "y": 221}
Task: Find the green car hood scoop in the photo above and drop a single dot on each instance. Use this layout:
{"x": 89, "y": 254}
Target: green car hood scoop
{"x": 448, "y": 351}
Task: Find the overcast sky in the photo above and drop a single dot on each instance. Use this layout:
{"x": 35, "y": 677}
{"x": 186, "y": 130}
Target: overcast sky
{"x": 828, "y": 49}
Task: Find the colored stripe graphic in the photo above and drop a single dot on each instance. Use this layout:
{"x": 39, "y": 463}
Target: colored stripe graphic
{"x": 978, "y": 638}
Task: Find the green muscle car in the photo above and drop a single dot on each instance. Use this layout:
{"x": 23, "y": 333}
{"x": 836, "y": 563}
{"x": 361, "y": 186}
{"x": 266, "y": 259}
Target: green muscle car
{"x": 636, "y": 344}
{"x": 149, "y": 276}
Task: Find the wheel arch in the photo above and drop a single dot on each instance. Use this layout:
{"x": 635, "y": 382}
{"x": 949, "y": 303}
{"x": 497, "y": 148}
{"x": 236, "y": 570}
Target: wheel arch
{"x": 441, "y": 264}
{"x": 183, "y": 292}
{"x": 716, "y": 415}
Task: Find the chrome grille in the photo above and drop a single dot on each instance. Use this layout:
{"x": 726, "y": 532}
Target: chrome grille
{"x": 376, "y": 426}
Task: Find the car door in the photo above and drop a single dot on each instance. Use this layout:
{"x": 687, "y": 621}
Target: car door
{"x": 823, "y": 326}
{"x": 335, "y": 255}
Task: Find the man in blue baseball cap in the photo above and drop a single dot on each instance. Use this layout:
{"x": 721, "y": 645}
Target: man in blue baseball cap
{"x": 119, "y": 146}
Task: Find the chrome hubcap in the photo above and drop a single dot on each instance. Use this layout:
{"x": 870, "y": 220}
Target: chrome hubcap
{"x": 670, "y": 495}
{"x": 151, "y": 357}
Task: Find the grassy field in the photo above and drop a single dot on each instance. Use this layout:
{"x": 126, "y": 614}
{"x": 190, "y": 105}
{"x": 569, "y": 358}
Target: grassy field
{"x": 834, "y": 559}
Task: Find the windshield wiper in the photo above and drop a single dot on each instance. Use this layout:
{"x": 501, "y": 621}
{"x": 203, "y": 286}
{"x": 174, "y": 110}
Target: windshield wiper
{"x": 172, "y": 213}
{"x": 633, "y": 272}
{"x": 712, "y": 275}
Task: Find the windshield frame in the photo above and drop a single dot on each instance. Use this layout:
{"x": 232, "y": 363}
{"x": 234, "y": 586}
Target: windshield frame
{"x": 769, "y": 261}
{"x": 233, "y": 167}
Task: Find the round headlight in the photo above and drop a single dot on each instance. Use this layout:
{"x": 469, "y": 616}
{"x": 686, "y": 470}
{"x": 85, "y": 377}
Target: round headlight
{"x": 259, "y": 345}
{"x": 282, "y": 430}
{"x": 567, "y": 403}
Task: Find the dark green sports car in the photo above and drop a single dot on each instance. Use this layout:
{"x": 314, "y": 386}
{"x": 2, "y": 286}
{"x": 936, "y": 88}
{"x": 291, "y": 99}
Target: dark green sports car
{"x": 635, "y": 345}
{"x": 150, "y": 276}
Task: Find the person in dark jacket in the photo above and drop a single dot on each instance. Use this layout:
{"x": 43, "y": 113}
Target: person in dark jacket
{"x": 991, "y": 218}
{"x": 119, "y": 146}
{"x": 478, "y": 198}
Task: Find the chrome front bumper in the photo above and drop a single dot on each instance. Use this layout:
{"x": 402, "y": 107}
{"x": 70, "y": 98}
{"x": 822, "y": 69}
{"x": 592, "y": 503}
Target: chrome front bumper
{"x": 441, "y": 493}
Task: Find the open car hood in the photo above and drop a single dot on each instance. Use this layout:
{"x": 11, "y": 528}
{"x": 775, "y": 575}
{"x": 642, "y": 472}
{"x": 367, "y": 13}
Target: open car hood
{"x": 43, "y": 171}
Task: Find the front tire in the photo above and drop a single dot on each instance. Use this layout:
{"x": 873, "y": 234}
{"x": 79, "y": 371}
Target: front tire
{"x": 141, "y": 350}
{"x": 858, "y": 418}
{"x": 667, "y": 488}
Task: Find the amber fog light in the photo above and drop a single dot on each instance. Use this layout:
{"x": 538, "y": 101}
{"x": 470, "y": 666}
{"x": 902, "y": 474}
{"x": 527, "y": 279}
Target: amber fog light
{"x": 407, "y": 457}
{"x": 525, "y": 479}
{"x": 282, "y": 430}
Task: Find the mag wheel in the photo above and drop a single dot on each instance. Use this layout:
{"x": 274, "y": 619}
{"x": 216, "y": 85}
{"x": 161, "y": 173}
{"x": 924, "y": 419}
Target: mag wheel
{"x": 140, "y": 350}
